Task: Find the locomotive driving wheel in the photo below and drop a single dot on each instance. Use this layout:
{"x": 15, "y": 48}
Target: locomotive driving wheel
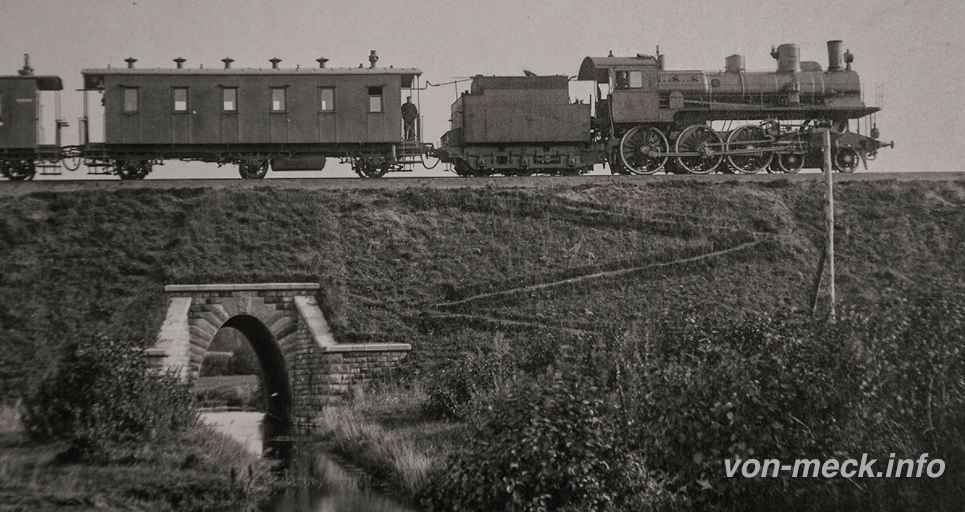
{"x": 703, "y": 140}
{"x": 790, "y": 162}
{"x": 18, "y": 171}
{"x": 637, "y": 149}
{"x": 746, "y": 138}
{"x": 253, "y": 169}
{"x": 846, "y": 159}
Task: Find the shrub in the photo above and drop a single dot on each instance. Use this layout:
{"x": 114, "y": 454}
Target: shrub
{"x": 757, "y": 388}
{"x": 547, "y": 447}
{"x": 104, "y": 393}
{"x": 458, "y": 390}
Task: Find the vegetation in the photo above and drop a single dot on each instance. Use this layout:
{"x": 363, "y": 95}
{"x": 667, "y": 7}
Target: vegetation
{"x": 647, "y": 421}
{"x": 102, "y": 431}
{"x": 504, "y": 292}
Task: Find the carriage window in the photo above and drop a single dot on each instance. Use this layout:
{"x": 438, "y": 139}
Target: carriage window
{"x": 130, "y": 99}
{"x": 229, "y": 97}
{"x": 277, "y": 99}
{"x": 375, "y": 99}
{"x": 636, "y": 79}
{"x": 327, "y": 99}
{"x": 180, "y": 99}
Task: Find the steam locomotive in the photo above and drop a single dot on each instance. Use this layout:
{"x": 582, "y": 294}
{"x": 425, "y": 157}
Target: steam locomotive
{"x": 641, "y": 119}
{"x": 644, "y": 118}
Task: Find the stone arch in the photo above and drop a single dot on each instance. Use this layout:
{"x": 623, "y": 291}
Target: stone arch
{"x": 305, "y": 367}
{"x": 277, "y": 384}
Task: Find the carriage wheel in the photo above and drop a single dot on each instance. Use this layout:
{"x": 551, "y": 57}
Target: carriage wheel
{"x": 366, "y": 168}
{"x": 253, "y": 169}
{"x": 129, "y": 170}
{"x": 637, "y": 147}
{"x": 748, "y": 137}
{"x": 704, "y": 140}
{"x": 790, "y": 162}
{"x": 20, "y": 171}
{"x": 846, "y": 159}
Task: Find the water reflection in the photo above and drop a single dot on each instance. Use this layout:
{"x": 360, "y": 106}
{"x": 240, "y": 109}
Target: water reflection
{"x": 320, "y": 484}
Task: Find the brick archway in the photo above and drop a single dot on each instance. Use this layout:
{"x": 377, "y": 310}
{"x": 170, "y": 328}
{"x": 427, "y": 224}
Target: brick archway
{"x": 305, "y": 368}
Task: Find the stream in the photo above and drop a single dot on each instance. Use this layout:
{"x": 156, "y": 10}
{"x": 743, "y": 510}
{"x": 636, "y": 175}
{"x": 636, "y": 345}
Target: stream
{"x": 321, "y": 484}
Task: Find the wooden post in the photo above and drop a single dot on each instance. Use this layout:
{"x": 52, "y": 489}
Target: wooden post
{"x": 830, "y": 216}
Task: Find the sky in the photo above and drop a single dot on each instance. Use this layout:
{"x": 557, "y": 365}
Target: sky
{"x": 914, "y": 51}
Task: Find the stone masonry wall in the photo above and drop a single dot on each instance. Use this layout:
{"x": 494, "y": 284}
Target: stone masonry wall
{"x": 320, "y": 371}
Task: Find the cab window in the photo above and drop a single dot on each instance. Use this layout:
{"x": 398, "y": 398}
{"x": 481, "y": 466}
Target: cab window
{"x": 636, "y": 79}
{"x": 326, "y": 100}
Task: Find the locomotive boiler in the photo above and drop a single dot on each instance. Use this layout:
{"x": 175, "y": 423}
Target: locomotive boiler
{"x": 654, "y": 119}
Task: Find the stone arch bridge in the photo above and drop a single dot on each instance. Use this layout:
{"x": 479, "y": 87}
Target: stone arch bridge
{"x": 304, "y": 367}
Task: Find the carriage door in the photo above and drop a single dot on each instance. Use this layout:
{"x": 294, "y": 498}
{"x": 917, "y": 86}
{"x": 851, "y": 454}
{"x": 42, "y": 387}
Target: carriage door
{"x": 18, "y": 113}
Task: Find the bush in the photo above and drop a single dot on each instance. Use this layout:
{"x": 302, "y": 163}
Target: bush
{"x": 757, "y": 388}
{"x": 463, "y": 387}
{"x": 547, "y": 447}
{"x": 104, "y": 393}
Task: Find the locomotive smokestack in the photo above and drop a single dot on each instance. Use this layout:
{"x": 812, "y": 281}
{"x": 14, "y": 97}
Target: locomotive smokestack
{"x": 26, "y": 70}
{"x": 835, "y": 56}
{"x": 321, "y": 62}
{"x": 130, "y": 62}
{"x": 373, "y": 58}
{"x": 179, "y": 62}
{"x": 274, "y": 62}
{"x": 227, "y": 62}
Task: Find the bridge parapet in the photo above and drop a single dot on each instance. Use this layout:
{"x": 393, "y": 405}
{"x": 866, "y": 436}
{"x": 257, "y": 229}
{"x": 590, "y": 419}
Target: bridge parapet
{"x": 305, "y": 367}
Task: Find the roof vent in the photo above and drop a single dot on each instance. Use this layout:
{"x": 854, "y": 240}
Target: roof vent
{"x": 180, "y": 62}
{"x": 227, "y": 62}
{"x": 26, "y": 70}
{"x": 373, "y": 58}
{"x": 321, "y": 61}
{"x": 274, "y": 62}
{"x": 130, "y": 62}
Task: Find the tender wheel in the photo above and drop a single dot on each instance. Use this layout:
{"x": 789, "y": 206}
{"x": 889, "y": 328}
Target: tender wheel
{"x": 637, "y": 148}
{"x": 703, "y": 140}
{"x": 366, "y": 168}
{"x": 19, "y": 171}
{"x": 748, "y": 137}
{"x": 131, "y": 170}
{"x": 846, "y": 159}
{"x": 253, "y": 169}
{"x": 790, "y": 162}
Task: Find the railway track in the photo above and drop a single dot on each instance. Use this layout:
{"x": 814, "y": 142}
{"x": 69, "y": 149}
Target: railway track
{"x": 20, "y": 188}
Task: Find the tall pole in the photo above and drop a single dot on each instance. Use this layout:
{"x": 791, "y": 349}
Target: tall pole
{"x": 830, "y": 210}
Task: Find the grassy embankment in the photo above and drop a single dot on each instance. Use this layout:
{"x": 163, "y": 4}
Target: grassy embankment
{"x": 450, "y": 271}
